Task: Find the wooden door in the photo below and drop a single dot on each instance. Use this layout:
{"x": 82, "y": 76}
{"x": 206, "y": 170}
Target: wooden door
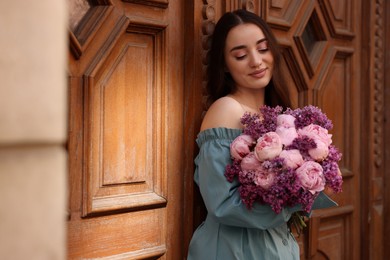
{"x": 321, "y": 41}
{"x": 125, "y": 129}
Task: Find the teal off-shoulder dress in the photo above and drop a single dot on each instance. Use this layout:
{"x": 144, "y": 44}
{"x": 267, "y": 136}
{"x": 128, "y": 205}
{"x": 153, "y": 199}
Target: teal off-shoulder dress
{"x": 231, "y": 231}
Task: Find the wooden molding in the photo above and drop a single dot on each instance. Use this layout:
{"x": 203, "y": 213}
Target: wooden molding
{"x": 155, "y": 3}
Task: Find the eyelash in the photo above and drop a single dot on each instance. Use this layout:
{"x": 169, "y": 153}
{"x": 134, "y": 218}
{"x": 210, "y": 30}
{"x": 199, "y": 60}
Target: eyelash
{"x": 259, "y": 50}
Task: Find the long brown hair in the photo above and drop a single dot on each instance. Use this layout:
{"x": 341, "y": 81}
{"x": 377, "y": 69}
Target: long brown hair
{"x": 220, "y": 83}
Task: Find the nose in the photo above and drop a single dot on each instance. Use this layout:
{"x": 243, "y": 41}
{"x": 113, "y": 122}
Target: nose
{"x": 256, "y": 59}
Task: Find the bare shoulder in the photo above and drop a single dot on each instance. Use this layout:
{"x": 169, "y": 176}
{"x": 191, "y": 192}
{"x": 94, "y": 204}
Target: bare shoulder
{"x": 224, "y": 112}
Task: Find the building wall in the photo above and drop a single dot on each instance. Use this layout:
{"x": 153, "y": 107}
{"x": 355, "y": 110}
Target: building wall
{"x": 33, "y": 107}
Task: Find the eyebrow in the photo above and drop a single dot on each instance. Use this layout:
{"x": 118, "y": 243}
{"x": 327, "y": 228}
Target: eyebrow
{"x": 244, "y": 46}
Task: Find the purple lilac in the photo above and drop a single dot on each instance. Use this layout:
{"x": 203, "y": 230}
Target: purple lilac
{"x": 330, "y": 166}
{"x": 306, "y": 199}
{"x": 257, "y": 125}
{"x": 303, "y": 144}
{"x": 310, "y": 115}
{"x": 250, "y": 194}
{"x": 334, "y": 154}
{"x": 274, "y": 164}
{"x": 253, "y": 125}
{"x": 270, "y": 115}
{"x": 232, "y": 170}
{"x": 246, "y": 177}
{"x": 332, "y": 177}
{"x": 279, "y": 194}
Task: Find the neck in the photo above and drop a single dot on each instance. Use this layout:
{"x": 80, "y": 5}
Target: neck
{"x": 251, "y": 99}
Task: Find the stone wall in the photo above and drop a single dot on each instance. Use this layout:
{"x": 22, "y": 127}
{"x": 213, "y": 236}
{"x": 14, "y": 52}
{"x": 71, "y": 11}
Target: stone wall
{"x": 33, "y": 118}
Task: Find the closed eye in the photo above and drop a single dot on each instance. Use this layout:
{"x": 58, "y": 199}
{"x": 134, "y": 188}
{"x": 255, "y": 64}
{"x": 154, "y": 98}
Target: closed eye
{"x": 262, "y": 46}
{"x": 240, "y": 57}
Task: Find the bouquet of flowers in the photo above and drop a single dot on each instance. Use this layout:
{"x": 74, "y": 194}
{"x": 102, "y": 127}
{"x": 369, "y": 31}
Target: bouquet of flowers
{"x": 284, "y": 158}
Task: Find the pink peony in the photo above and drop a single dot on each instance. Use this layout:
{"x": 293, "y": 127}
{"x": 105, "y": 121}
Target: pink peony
{"x": 292, "y": 158}
{"x": 287, "y": 134}
{"x": 316, "y": 132}
{"x": 268, "y": 146}
{"x": 264, "y": 179}
{"x": 286, "y": 121}
{"x": 240, "y": 147}
{"x": 250, "y": 162}
{"x": 311, "y": 177}
{"x": 320, "y": 152}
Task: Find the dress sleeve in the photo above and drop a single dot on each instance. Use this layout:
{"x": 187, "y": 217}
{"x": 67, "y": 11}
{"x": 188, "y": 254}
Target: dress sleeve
{"x": 222, "y": 198}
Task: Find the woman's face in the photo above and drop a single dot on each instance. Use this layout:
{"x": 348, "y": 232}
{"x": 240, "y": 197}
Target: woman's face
{"x": 247, "y": 57}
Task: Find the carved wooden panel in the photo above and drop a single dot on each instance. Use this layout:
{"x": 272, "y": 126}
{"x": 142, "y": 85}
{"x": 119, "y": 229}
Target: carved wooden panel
{"x": 338, "y": 14}
{"x": 329, "y": 236}
{"x": 123, "y": 102}
{"x": 130, "y": 236}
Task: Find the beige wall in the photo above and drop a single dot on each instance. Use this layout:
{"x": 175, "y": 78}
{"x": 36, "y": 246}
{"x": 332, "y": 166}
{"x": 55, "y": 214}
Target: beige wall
{"x": 33, "y": 107}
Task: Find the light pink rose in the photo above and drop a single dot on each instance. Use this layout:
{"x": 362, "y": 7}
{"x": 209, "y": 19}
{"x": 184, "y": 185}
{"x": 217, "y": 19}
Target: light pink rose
{"x": 268, "y": 146}
{"x": 240, "y": 147}
{"x": 250, "y": 162}
{"x": 286, "y": 134}
{"x": 320, "y": 152}
{"x": 311, "y": 177}
{"x": 316, "y": 132}
{"x": 264, "y": 179}
{"x": 292, "y": 158}
{"x": 285, "y": 121}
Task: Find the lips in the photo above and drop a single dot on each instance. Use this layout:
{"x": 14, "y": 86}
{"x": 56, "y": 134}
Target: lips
{"x": 259, "y": 73}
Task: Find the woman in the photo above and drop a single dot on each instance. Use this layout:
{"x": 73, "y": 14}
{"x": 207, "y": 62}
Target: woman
{"x": 244, "y": 74}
